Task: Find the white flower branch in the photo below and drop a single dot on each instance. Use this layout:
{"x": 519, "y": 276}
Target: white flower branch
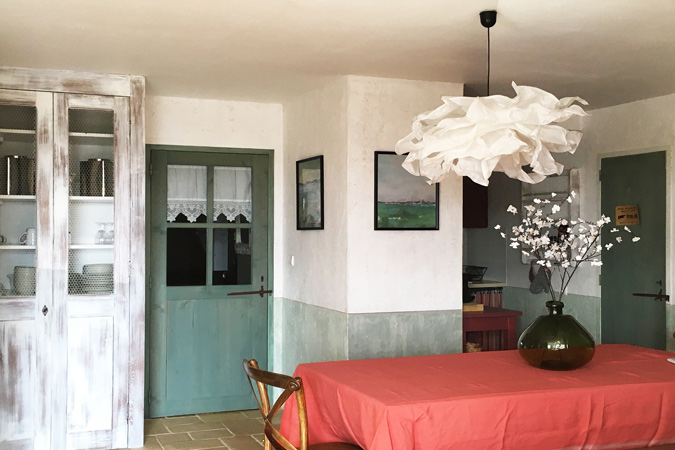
{"x": 556, "y": 243}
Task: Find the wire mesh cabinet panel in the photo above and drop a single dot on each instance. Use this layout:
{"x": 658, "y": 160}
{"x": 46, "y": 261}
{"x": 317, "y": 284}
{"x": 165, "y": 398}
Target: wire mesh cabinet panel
{"x": 71, "y": 260}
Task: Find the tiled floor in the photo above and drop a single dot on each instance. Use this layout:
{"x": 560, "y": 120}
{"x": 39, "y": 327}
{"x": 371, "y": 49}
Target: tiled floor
{"x": 236, "y": 430}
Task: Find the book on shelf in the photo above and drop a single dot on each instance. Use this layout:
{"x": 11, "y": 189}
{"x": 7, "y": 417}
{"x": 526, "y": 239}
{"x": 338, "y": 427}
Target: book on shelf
{"x": 472, "y": 306}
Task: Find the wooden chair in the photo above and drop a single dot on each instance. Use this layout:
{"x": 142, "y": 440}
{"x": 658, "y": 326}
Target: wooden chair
{"x": 273, "y": 438}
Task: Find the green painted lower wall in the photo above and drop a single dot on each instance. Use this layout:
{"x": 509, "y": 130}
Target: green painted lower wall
{"x": 584, "y": 308}
{"x": 301, "y": 333}
{"x": 386, "y": 335}
{"x": 670, "y": 327}
{"x": 305, "y": 333}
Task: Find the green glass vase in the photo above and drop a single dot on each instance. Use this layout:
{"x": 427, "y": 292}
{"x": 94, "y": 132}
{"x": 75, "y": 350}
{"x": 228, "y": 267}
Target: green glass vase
{"x": 556, "y": 341}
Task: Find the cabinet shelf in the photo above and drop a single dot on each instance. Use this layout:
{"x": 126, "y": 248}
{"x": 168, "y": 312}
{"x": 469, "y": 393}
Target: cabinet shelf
{"x": 28, "y": 135}
{"x": 90, "y": 247}
{"x": 73, "y": 198}
{"x": 16, "y": 247}
{"x": 17, "y": 198}
{"x": 16, "y": 131}
{"x": 91, "y": 199}
{"x": 90, "y": 138}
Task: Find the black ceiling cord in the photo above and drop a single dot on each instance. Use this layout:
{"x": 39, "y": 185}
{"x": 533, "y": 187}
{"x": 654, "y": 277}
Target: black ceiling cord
{"x": 488, "y": 19}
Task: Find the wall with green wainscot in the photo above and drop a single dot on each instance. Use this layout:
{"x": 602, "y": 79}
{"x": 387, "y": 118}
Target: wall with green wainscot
{"x": 584, "y": 308}
{"x": 302, "y": 333}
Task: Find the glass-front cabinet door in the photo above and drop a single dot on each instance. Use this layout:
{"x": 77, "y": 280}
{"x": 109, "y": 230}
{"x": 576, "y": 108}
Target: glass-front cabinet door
{"x": 91, "y": 271}
{"x": 25, "y": 257}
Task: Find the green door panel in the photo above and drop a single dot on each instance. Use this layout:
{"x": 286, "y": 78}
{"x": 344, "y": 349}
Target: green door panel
{"x": 634, "y": 267}
{"x": 198, "y": 332}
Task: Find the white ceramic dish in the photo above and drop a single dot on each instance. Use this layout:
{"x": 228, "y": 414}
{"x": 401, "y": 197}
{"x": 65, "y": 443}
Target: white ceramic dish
{"x": 97, "y": 269}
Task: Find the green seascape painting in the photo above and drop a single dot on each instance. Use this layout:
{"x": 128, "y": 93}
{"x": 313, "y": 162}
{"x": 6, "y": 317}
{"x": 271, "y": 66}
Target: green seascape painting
{"x": 406, "y": 215}
{"x": 403, "y": 201}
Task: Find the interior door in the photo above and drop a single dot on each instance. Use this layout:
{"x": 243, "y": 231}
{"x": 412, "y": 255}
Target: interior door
{"x": 209, "y": 251}
{"x": 25, "y": 278}
{"x": 634, "y": 267}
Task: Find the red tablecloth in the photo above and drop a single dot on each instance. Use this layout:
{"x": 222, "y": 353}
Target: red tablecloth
{"x": 623, "y": 398}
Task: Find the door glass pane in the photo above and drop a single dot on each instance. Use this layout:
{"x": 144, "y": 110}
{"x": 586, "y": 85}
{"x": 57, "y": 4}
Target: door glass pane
{"x": 231, "y": 256}
{"x": 186, "y": 193}
{"x": 186, "y": 257}
{"x": 91, "y": 215}
{"x": 232, "y": 194}
{"x": 18, "y": 212}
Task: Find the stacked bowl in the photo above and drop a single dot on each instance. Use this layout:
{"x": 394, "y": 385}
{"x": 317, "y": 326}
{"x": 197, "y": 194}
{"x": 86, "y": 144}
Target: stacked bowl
{"x": 24, "y": 280}
{"x": 97, "y": 278}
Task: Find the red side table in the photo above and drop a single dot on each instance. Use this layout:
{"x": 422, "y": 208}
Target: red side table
{"x": 492, "y": 318}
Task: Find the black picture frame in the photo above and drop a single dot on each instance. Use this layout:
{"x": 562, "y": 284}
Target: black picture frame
{"x": 309, "y": 193}
{"x": 403, "y": 201}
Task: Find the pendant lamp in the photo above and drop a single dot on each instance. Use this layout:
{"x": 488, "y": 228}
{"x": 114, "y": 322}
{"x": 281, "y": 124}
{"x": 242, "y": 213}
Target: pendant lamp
{"x": 475, "y": 136}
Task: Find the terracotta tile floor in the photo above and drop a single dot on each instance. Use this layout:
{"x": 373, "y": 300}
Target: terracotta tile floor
{"x": 236, "y": 430}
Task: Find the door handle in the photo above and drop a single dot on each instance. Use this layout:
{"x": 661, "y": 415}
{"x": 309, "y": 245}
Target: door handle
{"x": 659, "y": 296}
{"x": 262, "y": 291}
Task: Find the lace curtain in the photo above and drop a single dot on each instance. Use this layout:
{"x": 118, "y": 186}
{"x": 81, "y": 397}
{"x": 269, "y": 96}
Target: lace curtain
{"x": 186, "y": 192}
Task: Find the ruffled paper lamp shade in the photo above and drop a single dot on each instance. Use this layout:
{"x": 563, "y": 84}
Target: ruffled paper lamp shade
{"x": 475, "y": 136}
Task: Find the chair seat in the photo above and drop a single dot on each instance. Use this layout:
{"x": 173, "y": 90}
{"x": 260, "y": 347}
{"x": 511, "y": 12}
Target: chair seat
{"x": 290, "y": 386}
{"x": 333, "y": 446}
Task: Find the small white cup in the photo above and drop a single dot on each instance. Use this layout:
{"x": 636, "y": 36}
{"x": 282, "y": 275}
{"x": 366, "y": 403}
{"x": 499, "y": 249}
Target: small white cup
{"x": 29, "y": 237}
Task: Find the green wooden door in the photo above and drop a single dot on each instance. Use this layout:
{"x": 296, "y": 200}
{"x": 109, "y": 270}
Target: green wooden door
{"x": 634, "y": 267}
{"x": 209, "y": 243}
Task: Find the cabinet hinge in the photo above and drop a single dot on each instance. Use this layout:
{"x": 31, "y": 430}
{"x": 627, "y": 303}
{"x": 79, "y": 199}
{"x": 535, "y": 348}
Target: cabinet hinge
{"x": 600, "y": 175}
{"x": 150, "y": 169}
{"x": 600, "y": 279}
{"x": 128, "y": 413}
{"x": 150, "y": 282}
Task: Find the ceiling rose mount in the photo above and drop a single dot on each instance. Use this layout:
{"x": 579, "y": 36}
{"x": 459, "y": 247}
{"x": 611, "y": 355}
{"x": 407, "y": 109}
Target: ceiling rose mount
{"x": 488, "y": 18}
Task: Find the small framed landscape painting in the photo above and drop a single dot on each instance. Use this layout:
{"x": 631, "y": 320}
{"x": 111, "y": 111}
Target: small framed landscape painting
{"x": 403, "y": 201}
{"x": 309, "y": 193}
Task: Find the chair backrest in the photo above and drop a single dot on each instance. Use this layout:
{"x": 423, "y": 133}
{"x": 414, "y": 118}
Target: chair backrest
{"x": 290, "y": 385}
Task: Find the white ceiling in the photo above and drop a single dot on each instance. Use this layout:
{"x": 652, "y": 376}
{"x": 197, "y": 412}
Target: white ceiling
{"x": 606, "y": 51}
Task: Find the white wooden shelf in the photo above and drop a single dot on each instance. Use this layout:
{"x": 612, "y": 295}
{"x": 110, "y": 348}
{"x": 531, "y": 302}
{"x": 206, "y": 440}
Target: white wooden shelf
{"x": 17, "y": 198}
{"x": 16, "y": 131}
{"x": 16, "y": 247}
{"x": 91, "y": 246}
{"x": 91, "y": 199}
{"x": 91, "y": 135}
{"x": 486, "y": 284}
{"x": 86, "y": 136}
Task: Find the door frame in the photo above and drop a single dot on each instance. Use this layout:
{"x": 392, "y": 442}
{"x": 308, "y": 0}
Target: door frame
{"x": 670, "y": 214}
{"x": 270, "y": 236}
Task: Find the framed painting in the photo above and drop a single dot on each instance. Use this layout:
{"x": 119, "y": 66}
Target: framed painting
{"x": 309, "y": 193}
{"x": 403, "y": 201}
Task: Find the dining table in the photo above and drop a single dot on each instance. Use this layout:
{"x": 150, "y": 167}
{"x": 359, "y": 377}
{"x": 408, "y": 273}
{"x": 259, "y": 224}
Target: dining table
{"x": 623, "y": 398}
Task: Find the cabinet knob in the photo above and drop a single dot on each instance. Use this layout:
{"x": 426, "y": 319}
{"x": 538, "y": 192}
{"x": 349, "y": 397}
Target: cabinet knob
{"x": 45, "y": 310}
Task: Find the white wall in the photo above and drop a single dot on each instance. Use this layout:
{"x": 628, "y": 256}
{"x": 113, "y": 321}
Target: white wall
{"x": 349, "y": 267}
{"x": 214, "y": 123}
{"x": 315, "y": 124}
{"x": 391, "y": 271}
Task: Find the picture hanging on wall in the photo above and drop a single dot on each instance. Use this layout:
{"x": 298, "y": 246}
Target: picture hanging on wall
{"x": 309, "y": 193}
{"x": 403, "y": 201}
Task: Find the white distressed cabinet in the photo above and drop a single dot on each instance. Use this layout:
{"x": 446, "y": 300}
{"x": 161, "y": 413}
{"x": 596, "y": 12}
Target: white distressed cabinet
{"x": 72, "y": 294}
